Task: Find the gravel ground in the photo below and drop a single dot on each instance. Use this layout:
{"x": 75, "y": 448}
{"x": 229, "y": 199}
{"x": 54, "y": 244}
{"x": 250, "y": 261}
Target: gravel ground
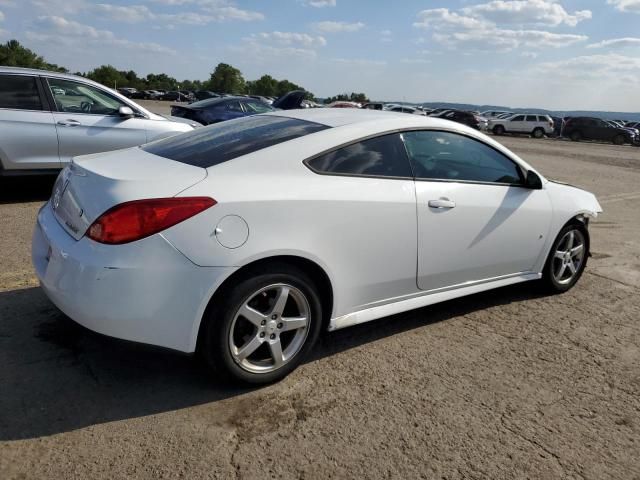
{"x": 501, "y": 385}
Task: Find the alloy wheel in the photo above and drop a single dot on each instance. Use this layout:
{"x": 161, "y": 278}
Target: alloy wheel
{"x": 569, "y": 257}
{"x": 269, "y": 328}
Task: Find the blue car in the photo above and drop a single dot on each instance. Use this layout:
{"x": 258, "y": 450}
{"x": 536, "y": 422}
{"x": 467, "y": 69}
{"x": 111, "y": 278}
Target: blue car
{"x": 214, "y": 110}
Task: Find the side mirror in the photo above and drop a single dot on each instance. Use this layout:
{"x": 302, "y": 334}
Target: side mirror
{"x": 125, "y": 112}
{"x": 533, "y": 181}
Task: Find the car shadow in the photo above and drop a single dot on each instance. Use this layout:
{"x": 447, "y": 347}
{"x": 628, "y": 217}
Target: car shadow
{"x": 57, "y": 376}
{"x": 29, "y": 188}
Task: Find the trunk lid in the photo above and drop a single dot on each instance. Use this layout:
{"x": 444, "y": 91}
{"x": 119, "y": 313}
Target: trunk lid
{"x": 92, "y": 184}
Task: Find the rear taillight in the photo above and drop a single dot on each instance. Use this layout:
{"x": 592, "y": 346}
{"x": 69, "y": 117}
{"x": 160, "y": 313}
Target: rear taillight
{"x": 138, "y": 219}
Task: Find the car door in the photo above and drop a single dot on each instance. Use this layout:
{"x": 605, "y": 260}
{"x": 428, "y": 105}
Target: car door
{"x": 516, "y": 124}
{"x": 29, "y": 138}
{"x": 476, "y": 220}
{"x": 369, "y": 219}
{"x": 87, "y": 120}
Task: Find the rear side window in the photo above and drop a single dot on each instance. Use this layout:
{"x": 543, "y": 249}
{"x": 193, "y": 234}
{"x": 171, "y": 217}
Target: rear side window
{"x": 519, "y": 118}
{"x": 383, "y": 156}
{"x": 531, "y": 118}
{"x": 215, "y": 144}
{"x": 19, "y": 92}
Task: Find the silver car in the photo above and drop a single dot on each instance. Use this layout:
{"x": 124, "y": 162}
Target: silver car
{"x": 46, "y": 118}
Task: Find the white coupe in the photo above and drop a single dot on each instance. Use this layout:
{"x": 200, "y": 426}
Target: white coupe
{"x": 243, "y": 240}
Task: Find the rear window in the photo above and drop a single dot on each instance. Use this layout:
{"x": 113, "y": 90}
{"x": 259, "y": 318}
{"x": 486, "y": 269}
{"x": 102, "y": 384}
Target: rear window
{"x": 18, "y": 92}
{"x": 531, "y": 118}
{"x": 215, "y": 144}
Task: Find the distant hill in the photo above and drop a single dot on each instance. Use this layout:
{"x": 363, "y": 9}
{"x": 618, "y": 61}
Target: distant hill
{"x": 630, "y": 117}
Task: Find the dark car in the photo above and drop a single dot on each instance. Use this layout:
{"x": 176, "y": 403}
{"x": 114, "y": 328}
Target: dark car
{"x": 214, "y": 110}
{"x": 590, "y": 128}
{"x": 204, "y": 94}
{"x": 174, "y": 96}
{"x": 466, "y": 118}
{"x": 127, "y": 91}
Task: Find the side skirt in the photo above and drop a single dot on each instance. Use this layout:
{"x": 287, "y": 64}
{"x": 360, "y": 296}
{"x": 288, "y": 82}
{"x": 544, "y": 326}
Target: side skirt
{"x": 424, "y": 299}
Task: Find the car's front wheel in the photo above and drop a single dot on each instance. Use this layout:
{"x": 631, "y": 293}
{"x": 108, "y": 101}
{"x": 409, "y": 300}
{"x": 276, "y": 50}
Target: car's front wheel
{"x": 263, "y": 326}
{"x": 498, "y": 130}
{"x": 538, "y": 133}
{"x": 567, "y": 258}
{"x": 618, "y": 140}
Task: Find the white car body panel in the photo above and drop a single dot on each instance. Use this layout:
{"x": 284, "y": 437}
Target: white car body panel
{"x": 381, "y": 248}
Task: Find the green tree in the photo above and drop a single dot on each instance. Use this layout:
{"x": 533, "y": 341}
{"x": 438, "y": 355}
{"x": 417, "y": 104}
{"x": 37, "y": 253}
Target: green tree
{"x": 266, "y": 85}
{"x": 226, "y": 79}
{"x": 12, "y": 54}
{"x": 160, "y": 81}
{"x": 109, "y": 76}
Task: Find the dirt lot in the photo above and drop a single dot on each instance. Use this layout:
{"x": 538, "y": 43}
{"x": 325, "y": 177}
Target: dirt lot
{"x": 507, "y": 384}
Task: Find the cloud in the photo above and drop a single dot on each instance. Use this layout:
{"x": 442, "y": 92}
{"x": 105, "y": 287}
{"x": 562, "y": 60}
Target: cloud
{"x": 58, "y": 30}
{"x": 290, "y": 38}
{"x": 610, "y": 66}
{"x": 527, "y": 12}
{"x": 359, "y": 62}
{"x": 506, "y": 40}
{"x": 415, "y": 61}
{"x": 1, "y": 16}
{"x": 335, "y": 27}
{"x": 208, "y": 11}
{"x": 443, "y": 17}
{"x": 128, "y": 14}
{"x": 617, "y": 42}
{"x": 321, "y": 3}
{"x": 626, "y": 5}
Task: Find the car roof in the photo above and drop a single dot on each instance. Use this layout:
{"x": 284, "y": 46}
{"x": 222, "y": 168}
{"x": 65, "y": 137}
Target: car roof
{"x": 338, "y": 117}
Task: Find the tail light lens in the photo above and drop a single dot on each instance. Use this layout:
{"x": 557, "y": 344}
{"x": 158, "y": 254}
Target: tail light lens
{"x": 138, "y": 219}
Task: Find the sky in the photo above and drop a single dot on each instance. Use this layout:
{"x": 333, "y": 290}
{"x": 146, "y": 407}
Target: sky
{"x": 556, "y": 54}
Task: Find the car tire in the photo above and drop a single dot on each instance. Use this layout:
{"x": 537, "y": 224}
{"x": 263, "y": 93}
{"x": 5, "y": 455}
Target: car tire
{"x": 227, "y": 335}
{"x": 498, "y": 130}
{"x": 618, "y": 140}
{"x": 565, "y": 264}
{"x": 575, "y": 136}
{"x": 538, "y": 133}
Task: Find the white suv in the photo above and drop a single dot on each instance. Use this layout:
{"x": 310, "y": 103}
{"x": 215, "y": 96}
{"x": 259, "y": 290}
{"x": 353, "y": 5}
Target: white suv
{"x": 46, "y": 118}
{"x": 533, "y": 124}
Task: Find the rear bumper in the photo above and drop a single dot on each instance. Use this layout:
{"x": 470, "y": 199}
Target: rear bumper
{"x": 144, "y": 291}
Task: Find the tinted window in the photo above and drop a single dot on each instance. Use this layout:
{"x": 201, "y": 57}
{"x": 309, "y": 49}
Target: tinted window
{"x": 381, "y": 156}
{"x": 531, "y": 118}
{"x": 225, "y": 141}
{"x": 257, "y": 107}
{"x": 19, "y": 92}
{"x": 234, "y": 106}
{"x": 543, "y": 119}
{"x": 519, "y": 118}
{"x": 75, "y": 97}
{"x": 449, "y": 156}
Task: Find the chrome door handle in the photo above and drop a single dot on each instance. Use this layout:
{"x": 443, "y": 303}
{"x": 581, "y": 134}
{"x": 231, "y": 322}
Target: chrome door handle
{"x": 442, "y": 203}
{"x": 69, "y": 123}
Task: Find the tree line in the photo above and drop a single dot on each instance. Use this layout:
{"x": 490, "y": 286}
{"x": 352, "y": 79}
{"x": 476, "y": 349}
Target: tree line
{"x": 225, "y": 78}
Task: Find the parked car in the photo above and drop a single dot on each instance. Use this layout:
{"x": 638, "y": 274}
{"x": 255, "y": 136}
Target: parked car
{"x": 223, "y": 232}
{"x": 403, "y": 109}
{"x": 466, "y": 118}
{"x": 535, "y": 125}
{"x": 266, "y": 100}
{"x": 204, "y": 94}
{"x": 591, "y": 128}
{"x": 174, "y": 96}
{"x": 214, "y": 110}
{"x": 47, "y": 118}
{"x": 633, "y": 132}
{"x": 374, "y": 106}
{"x": 488, "y": 114}
{"x": 127, "y": 91}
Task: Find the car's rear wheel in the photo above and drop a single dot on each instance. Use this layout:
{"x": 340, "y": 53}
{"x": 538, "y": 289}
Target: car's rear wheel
{"x": 618, "y": 140}
{"x": 263, "y": 327}
{"x": 498, "y": 130}
{"x": 538, "y": 133}
{"x": 575, "y": 136}
{"x": 567, "y": 258}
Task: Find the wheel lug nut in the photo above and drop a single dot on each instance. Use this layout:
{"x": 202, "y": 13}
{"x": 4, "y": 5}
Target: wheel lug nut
{"x": 263, "y": 322}
{"x": 274, "y": 316}
{"x": 273, "y": 336}
{"x": 280, "y": 325}
{"x": 261, "y": 334}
